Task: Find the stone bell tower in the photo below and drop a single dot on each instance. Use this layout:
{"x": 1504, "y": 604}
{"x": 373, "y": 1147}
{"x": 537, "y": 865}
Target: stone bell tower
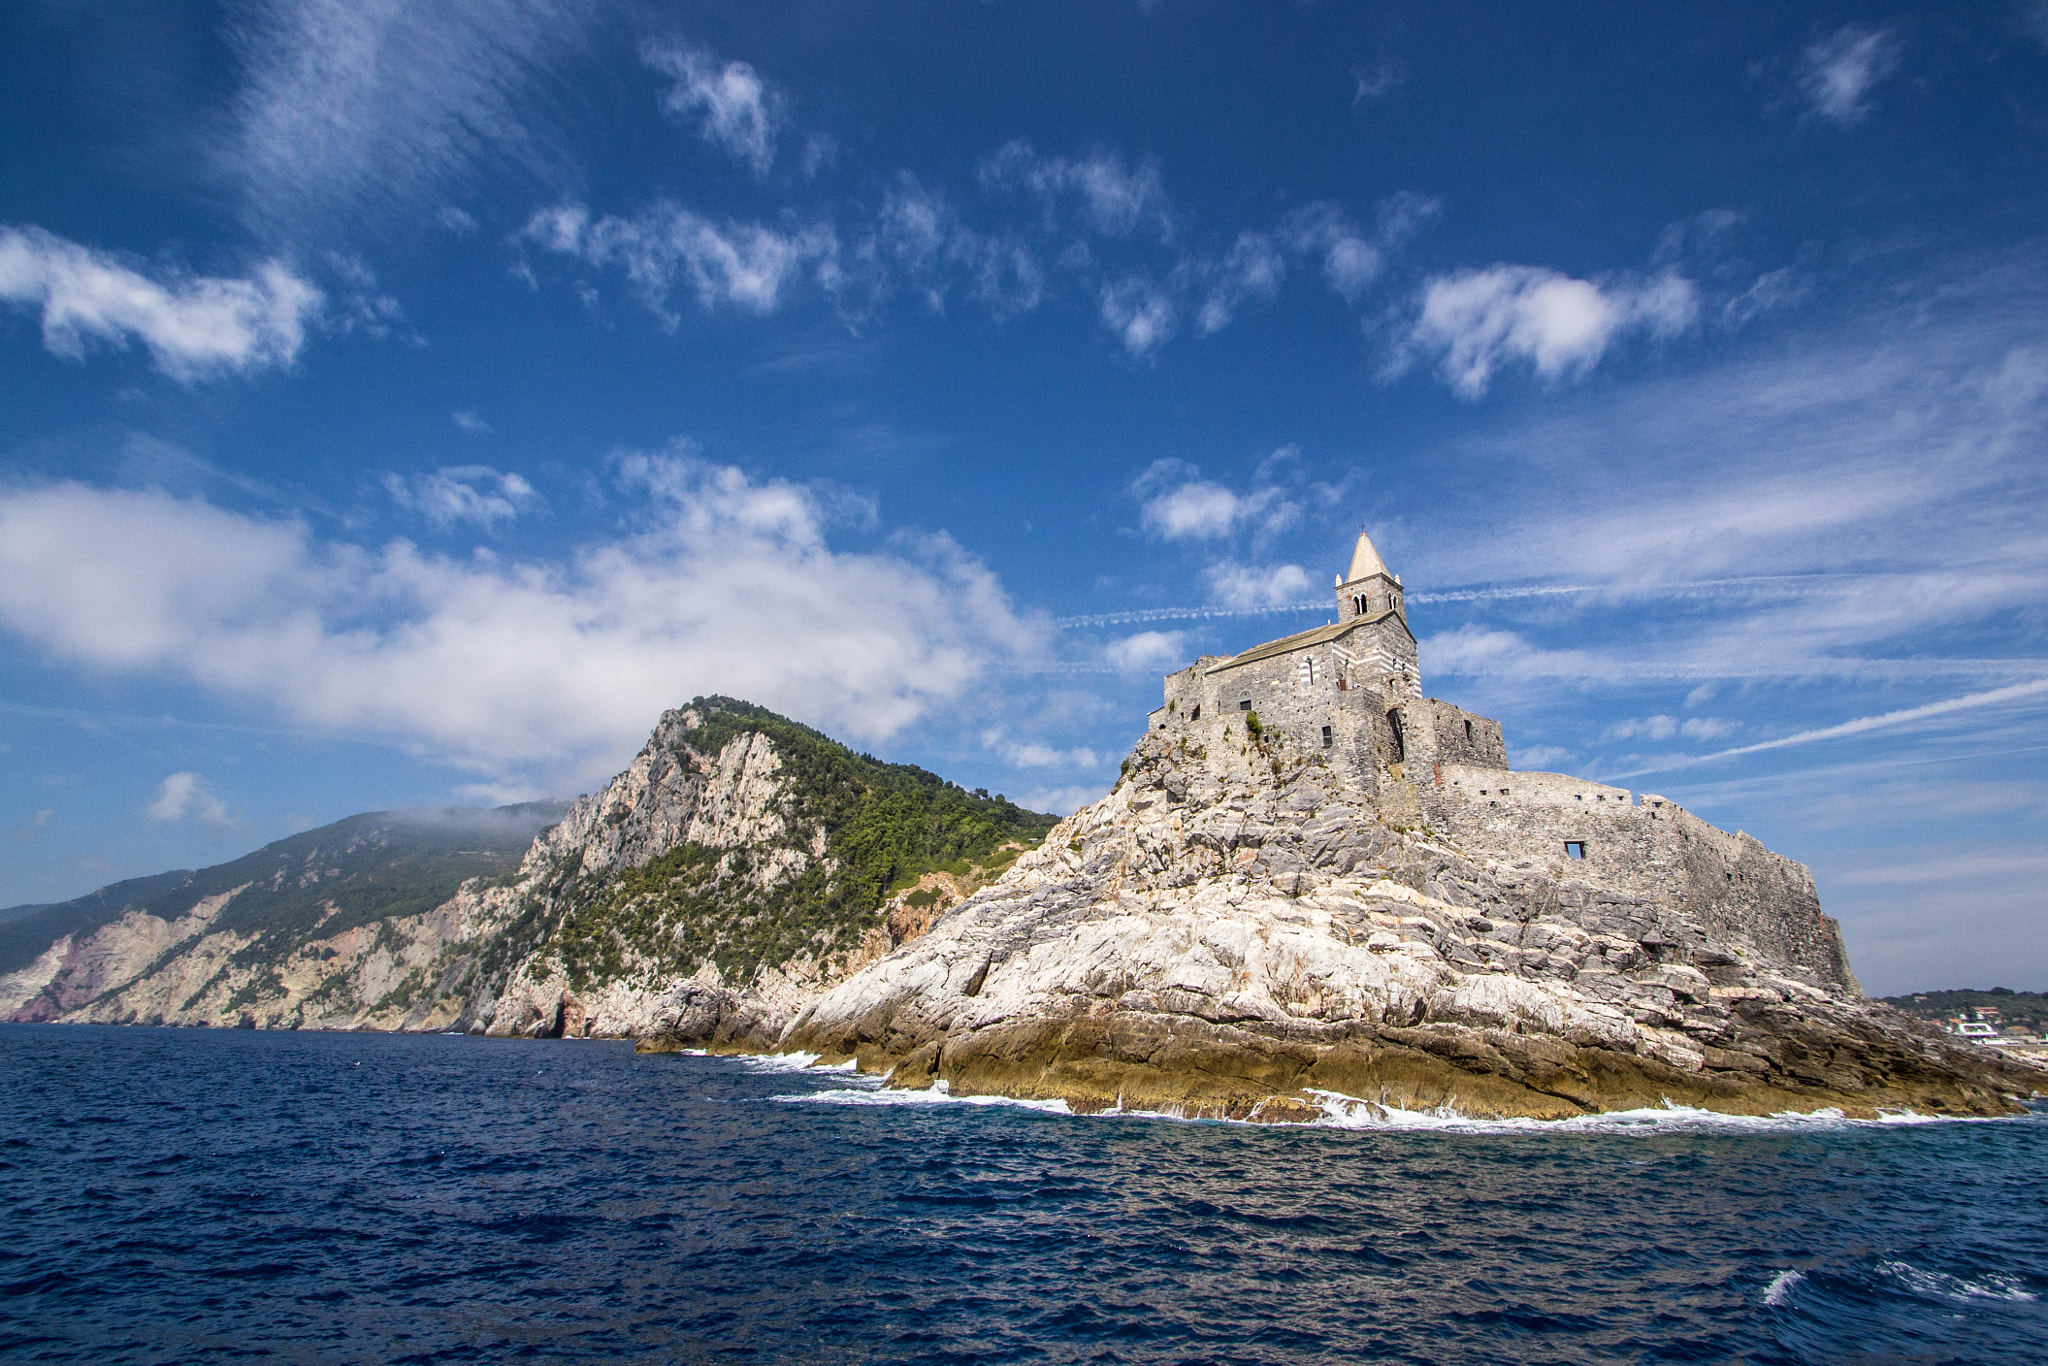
{"x": 1370, "y": 598}
{"x": 1368, "y": 590}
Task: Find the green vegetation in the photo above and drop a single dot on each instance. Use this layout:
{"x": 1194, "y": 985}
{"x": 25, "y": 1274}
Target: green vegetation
{"x": 885, "y": 826}
{"x": 2027, "y": 1009}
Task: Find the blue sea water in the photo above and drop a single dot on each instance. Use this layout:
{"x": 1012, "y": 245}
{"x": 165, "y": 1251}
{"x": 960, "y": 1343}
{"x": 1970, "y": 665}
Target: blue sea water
{"x": 187, "y": 1196}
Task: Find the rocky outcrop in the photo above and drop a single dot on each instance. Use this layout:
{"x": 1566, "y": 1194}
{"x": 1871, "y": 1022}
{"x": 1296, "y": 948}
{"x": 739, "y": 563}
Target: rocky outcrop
{"x": 738, "y": 867}
{"x": 1238, "y": 930}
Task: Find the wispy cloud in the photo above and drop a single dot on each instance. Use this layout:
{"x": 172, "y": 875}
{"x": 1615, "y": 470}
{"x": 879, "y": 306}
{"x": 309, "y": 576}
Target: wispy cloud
{"x": 350, "y": 110}
{"x": 458, "y": 494}
{"x": 749, "y": 266}
{"x": 734, "y": 106}
{"x": 1105, "y": 194}
{"x": 195, "y": 327}
{"x": 1838, "y": 73}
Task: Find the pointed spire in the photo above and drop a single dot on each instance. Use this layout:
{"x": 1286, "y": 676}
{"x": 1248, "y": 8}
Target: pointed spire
{"x": 1365, "y": 561}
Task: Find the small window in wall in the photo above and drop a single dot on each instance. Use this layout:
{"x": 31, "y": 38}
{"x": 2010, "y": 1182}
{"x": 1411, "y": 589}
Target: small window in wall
{"x": 1574, "y": 849}
{"x": 1244, "y": 704}
{"x": 1468, "y": 732}
{"x": 1196, "y": 714}
{"x": 1328, "y": 740}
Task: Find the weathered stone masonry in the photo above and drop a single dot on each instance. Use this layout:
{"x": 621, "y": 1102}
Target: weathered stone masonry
{"x": 1351, "y": 692}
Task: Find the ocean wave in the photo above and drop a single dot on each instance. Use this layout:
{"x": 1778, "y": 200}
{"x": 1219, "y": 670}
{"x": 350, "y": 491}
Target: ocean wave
{"x": 1941, "y": 1285}
{"x": 1781, "y": 1287}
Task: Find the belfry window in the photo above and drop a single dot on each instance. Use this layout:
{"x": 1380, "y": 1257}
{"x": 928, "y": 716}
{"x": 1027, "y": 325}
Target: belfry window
{"x": 1574, "y": 849}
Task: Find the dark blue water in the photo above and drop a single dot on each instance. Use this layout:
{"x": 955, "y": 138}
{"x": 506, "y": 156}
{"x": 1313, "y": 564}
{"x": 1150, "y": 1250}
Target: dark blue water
{"x": 174, "y": 1196}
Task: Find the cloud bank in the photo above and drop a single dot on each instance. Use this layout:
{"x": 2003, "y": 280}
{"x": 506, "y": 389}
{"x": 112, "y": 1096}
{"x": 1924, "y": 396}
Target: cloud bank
{"x": 552, "y": 671}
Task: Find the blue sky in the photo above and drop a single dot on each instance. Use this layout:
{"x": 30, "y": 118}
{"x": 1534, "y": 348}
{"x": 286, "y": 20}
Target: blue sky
{"x": 406, "y": 403}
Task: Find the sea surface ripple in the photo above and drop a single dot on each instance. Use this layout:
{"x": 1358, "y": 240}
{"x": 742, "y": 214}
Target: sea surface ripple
{"x": 200, "y": 1196}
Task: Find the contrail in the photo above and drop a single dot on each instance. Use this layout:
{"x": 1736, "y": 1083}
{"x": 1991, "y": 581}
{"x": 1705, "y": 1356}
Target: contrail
{"x": 1807, "y": 583}
{"x": 1859, "y": 725}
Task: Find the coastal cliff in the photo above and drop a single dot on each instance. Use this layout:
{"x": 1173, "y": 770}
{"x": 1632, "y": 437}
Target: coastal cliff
{"x": 1250, "y": 925}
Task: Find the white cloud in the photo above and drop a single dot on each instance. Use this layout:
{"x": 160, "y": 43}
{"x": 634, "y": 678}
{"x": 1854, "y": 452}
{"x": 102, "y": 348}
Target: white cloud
{"x": 1141, "y": 313}
{"x": 1838, "y": 73}
{"x": 195, "y": 327}
{"x": 468, "y": 420}
{"x": 1243, "y": 586}
{"x": 542, "y": 671}
{"x": 1148, "y": 652}
{"x": 1179, "y": 506}
{"x": 1195, "y": 510}
{"x": 351, "y": 107}
{"x": 184, "y": 796}
{"x": 1110, "y": 198}
{"x": 1479, "y": 320}
{"x": 456, "y": 494}
{"x": 745, "y": 265}
{"x": 735, "y": 108}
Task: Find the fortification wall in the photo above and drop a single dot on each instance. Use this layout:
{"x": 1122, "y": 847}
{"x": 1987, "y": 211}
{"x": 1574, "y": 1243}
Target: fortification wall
{"x": 1734, "y": 888}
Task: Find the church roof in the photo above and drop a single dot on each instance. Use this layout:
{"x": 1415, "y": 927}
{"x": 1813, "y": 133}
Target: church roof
{"x": 1302, "y": 640}
{"x": 1365, "y": 561}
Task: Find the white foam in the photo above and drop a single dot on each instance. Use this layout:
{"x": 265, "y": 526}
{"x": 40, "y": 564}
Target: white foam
{"x": 937, "y": 1095}
{"x": 1351, "y": 1112}
{"x": 1940, "y": 1284}
{"x": 1781, "y": 1287}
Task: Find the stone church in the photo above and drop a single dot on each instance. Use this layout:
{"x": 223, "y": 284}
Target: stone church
{"x": 1349, "y": 694}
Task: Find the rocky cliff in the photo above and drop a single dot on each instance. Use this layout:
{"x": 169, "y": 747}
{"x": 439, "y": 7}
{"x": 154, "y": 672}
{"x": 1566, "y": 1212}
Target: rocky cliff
{"x": 1241, "y": 929}
{"x": 351, "y": 925}
{"x": 741, "y": 864}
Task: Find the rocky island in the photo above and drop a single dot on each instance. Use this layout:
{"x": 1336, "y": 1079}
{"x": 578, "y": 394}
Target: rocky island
{"x": 1312, "y": 888}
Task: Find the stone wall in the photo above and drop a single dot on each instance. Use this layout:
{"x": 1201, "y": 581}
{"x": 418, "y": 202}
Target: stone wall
{"x": 1730, "y": 884}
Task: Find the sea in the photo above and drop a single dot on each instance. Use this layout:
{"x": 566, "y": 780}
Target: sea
{"x": 238, "y": 1196}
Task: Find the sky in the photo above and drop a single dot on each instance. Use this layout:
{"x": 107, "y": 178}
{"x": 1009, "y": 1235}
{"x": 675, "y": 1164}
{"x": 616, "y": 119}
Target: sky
{"x": 404, "y": 403}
